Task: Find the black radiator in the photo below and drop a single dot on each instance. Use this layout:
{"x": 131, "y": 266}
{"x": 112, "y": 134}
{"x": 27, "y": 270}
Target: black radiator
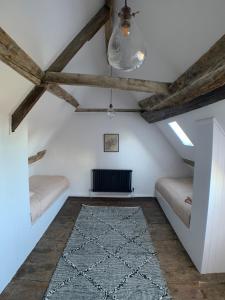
{"x": 117, "y": 181}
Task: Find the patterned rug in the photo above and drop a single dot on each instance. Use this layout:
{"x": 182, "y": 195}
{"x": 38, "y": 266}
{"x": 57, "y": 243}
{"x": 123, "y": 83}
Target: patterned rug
{"x": 110, "y": 256}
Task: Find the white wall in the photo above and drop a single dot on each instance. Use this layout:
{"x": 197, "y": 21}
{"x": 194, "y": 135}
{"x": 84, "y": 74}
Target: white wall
{"x": 78, "y": 148}
{"x": 14, "y": 203}
{"x": 17, "y": 234}
{"x": 188, "y": 123}
{"x": 214, "y": 259}
{"x": 205, "y": 239}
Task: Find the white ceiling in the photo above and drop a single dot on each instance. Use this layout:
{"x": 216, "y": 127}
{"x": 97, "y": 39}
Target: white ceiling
{"x": 177, "y": 33}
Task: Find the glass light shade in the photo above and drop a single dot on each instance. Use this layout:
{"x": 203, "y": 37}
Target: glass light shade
{"x": 111, "y": 112}
{"x": 126, "y": 50}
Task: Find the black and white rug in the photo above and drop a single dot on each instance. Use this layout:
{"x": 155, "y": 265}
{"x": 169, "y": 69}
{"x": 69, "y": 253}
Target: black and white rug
{"x": 109, "y": 255}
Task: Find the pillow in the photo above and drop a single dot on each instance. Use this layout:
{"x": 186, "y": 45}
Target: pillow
{"x": 188, "y": 200}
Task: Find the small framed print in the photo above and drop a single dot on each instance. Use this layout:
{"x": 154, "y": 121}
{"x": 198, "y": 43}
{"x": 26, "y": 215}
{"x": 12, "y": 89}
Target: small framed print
{"x": 111, "y": 142}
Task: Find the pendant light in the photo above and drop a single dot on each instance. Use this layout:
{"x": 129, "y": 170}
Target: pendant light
{"x": 111, "y": 112}
{"x": 126, "y": 50}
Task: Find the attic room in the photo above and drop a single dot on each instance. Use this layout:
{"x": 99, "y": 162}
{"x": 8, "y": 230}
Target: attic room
{"x": 112, "y": 138}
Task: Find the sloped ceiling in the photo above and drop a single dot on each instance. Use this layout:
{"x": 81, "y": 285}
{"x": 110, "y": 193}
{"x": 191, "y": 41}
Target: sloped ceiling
{"x": 177, "y": 33}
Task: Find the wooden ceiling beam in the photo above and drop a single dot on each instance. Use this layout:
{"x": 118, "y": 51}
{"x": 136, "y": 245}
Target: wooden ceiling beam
{"x": 63, "y": 94}
{"x": 128, "y": 84}
{"x": 34, "y": 158}
{"x": 26, "y": 106}
{"x": 109, "y": 24}
{"x": 169, "y": 112}
{"x": 85, "y": 35}
{"x": 59, "y": 64}
{"x": 203, "y": 85}
{"x": 213, "y": 57}
{"x": 12, "y": 55}
{"x": 196, "y": 81}
{"x": 106, "y": 109}
{"x": 149, "y": 102}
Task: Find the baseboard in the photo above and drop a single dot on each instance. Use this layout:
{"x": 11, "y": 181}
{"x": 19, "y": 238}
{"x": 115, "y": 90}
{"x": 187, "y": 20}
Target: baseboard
{"x": 110, "y": 195}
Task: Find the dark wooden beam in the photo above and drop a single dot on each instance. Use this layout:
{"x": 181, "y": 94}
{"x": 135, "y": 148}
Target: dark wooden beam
{"x": 202, "y": 77}
{"x": 78, "y": 42}
{"x": 149, "y": 102}
{"x": 26, "y": 106}
{"x": 107, "y": 82}
{"x": 202, "y": 101}
{"x": 213, "y": 57}
{"x": 59, "y": 64}
{"x": 203, "y": 85}
{"x": 189, "y": 162}
{"x": 36, "y": 157}
{"x": 109, "y": 24}
{"x": 12, "y": 55}
{"x": 63, "y": 94}
{"x": 106, "y": 109}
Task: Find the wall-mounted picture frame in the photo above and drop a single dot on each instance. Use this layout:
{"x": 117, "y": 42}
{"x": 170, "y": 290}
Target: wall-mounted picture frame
{"x": 111, "y": 142}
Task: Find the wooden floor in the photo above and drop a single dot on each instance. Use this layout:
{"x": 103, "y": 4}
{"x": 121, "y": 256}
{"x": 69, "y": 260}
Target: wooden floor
{"x": 183, "y": 279}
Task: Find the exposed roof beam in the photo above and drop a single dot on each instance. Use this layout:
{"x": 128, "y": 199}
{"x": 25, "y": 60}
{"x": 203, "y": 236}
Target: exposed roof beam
{"x": 63, "y": 94}
{"x": 149, "y": 102}
{"x": 107, "y": 82}
{"x": 80, "y": 39}
{"x": 207, "y": 99}
{"x": 189, "y": 162}
{"x": 203, "y": 85}
{"x": 196, "y": 81}
{"x": 213, "y": 57}
{"x": 26, "y": 106}
{"x": 12, "y": 55}
{"x": 109, "y": 24}
{"x": 32, "y": 159}
{"x": 106, "y": 109}
{"x": 59, "y": 64}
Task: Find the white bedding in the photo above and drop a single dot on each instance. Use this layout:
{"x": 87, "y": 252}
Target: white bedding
{"x": 44, "y": 190}
{"x": 175, "y": 191}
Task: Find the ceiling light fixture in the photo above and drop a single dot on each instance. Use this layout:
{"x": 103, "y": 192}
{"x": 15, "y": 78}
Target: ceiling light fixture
{"x": 111, "y": 112}
{"x": 126, "y": 50}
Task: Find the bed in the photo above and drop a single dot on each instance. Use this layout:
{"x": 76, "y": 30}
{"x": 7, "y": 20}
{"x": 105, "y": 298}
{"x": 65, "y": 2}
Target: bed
{"x": 44, "y": 190}
{"x": 175, "y": 191}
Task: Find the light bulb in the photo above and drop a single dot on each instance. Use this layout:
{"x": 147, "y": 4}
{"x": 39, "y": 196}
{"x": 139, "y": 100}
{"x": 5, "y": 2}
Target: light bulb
{"x": 125, "y": 29}
{"x": 111, "y": 112}
{"x": 126, "y": 50}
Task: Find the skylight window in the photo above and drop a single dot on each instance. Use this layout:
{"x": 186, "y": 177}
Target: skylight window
{"x": 181, "y": 134}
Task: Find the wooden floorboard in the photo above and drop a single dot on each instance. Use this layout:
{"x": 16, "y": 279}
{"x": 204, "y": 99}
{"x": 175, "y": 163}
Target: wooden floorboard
{"x": 184, "y": 281}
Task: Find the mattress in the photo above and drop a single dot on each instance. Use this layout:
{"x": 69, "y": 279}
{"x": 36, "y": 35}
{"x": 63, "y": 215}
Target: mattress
{"x": 44, "y": 190}
{"x": 175, "y": 191}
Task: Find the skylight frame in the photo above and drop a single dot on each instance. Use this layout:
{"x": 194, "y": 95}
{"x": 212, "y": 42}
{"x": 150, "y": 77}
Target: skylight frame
{"x": 185, "y": 140}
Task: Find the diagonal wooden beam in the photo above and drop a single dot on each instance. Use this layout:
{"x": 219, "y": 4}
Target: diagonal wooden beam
{"x": 203, "y": 85}
{"x": 189, "y": 162}
{"x": 149, "y": 102}
{"x": 206, "y": 66}
{"x": 63, "y": 94}
{"x": 207, "y": 63}
{"x": 106, "y": 109}
{"x": 109, "y": 23}
{"x": 83, "y": 36}
{"x": 59, "y": 64}
{"x": 107, "y": 82}
{"x": 32, "y": 159}
{"x": 202, "y": 101}
{"x": 26, "y": 106}
{"x": 12, "y": 55}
